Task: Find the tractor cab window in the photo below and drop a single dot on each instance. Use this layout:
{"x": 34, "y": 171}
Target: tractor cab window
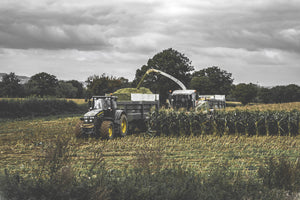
{"x": 100, "y": 104}
{"x": 108, "y": 103}
{"x": 114, "y": 105}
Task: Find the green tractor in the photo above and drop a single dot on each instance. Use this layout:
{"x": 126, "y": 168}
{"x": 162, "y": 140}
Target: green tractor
{"x": 104, "y": 119}
{"x": 108, "y": 118}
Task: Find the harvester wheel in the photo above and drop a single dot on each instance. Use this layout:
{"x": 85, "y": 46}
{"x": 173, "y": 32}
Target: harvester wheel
{"x": 107, "y": 130}
{"x": 123, "y": 125}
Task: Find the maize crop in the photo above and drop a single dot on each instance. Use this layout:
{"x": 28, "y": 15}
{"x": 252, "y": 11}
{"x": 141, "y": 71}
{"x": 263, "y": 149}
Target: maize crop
{"x": 238, "y": 122}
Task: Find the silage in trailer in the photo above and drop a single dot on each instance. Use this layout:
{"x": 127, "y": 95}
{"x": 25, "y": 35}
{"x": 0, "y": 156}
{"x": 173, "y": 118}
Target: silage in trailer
{"x": 124, "y": 94}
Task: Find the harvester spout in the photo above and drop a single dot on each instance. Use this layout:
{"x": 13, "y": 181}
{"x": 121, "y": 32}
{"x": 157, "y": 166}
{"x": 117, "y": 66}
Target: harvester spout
{"x": 141, "y": 81}
{"x": 164, "y": 74}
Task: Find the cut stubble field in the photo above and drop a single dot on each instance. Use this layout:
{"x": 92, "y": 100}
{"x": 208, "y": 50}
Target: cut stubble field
{"x": 41, "y": 158}
{"x": 23, "y": 144}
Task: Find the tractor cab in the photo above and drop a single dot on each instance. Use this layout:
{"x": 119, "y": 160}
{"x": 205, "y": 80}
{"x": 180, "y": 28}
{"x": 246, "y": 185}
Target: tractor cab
{"x": 105, "y": 103}
{"x": 183, "y": 99}
{"x": 210, "y": 102}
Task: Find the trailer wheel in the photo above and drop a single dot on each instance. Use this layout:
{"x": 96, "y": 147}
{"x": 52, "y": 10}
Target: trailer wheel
{"x": 107, "y": 130}
{"x": 123, "y": 125}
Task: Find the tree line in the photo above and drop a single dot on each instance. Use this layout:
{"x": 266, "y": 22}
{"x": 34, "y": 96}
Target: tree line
{"x": 207, "y": 81}
{"x": 40, "y": 85}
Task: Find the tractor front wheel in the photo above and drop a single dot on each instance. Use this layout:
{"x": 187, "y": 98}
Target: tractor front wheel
{"x": 107, "y": 130}
{"x": 78, "y": 129}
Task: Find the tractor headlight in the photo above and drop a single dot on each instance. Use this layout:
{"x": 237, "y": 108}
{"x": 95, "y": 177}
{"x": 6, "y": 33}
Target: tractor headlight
{"x": 91, "y": 119}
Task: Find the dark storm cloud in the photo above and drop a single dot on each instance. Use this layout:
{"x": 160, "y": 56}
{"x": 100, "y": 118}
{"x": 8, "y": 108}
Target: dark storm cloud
{"x": 52, "y": 27}
{"x": 244, "y": 37}
{"x": 253, "y": 26}
{"x": 98, "y": 26}
{"x": 22, "y": 28}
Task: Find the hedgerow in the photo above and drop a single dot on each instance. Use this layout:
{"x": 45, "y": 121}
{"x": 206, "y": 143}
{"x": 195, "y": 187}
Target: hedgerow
{"x": 32, "y": 107}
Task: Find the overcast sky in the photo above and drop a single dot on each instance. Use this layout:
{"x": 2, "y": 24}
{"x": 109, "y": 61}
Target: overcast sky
{"x": 257, "y": 41}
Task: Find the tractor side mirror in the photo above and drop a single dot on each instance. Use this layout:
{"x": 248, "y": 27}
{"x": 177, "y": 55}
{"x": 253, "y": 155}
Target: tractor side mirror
{"x": 90, "y": 104}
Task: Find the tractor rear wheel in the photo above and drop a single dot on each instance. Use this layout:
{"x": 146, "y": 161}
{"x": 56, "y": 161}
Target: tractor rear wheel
{"x": 123, "y": 125}
{"x": 107, "y": 130}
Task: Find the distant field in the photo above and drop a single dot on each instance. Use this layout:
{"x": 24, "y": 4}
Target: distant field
{"x": 78, "y": 101}
{"x": 262, "y": 107}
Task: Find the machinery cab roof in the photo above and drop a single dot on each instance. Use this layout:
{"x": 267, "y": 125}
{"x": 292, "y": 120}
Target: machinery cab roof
{"x": 183, "y": 92}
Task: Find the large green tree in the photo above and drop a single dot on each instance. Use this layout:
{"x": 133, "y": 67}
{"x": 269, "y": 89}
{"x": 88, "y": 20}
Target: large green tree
{"x": 171, "y": 62}
{"x": 101, "y": 85}
{"x": 212, "y": 80}
{"x": 245, "y": 93}
{"x": 287, "y": 93}
{"x": 292, "y": 93}
{"x": 10, "y": 85}
{"x": 66, "y": 90}
{"x": 42, "y": 84}
{"x": 265, "y": 95}
{"x": 80, "y": 90}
